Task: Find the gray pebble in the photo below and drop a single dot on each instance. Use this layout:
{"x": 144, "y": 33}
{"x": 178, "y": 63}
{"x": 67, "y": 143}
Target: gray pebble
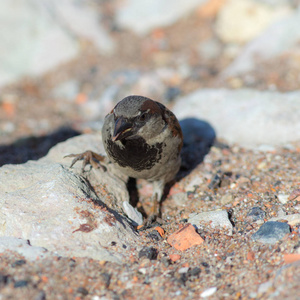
{"x": 256, "y": 214}
{"x": 271, "y": 232}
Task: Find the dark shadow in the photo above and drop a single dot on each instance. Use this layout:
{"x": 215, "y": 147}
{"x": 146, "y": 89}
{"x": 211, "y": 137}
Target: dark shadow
{"x": 32, "y": 147}
{"x": 198, "y": 137}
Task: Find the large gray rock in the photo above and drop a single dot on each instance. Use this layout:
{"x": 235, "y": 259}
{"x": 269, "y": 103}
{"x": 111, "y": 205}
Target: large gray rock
{"x": 247, "y": 117}
{"x": 283, "y": 36}
{"x": 143, "y": 16}
{"x": 54, "y": 207}
{"x": 38, "y": 35}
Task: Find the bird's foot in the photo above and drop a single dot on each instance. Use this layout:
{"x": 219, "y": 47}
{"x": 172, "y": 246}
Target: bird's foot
{"x": 152, "y": 220}
{"x": 88, "y": 157}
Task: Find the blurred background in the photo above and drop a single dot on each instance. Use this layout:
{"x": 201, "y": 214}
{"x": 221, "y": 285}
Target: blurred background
{"x": 65, "y": 63}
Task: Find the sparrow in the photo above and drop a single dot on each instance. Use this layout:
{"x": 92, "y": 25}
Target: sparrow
{"x": 143, "y": 139}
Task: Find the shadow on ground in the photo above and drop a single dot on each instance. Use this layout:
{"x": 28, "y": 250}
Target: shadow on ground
{"x": 198, "y": 137}
{"x": 33, "y": 148}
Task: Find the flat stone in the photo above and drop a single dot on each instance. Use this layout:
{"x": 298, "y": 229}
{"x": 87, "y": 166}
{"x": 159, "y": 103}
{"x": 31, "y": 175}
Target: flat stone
{"x": 271, "y": 232}
{"x": 132, "y": 213}
{"x": 185, "y": 238}
{"x": 291, "y": 219}
{"x": 216, "y": 218}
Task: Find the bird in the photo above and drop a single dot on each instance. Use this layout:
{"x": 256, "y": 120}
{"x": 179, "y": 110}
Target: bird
{"x": 143, "y": 139}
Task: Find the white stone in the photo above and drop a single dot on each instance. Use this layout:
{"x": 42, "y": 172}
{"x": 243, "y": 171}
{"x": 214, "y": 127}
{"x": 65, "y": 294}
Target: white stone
{"x": 247, "y": 117}
{"x": 240, "y": 21}
{"x": 183, "y": 270}
{"x": 283, "y": 198}
{"x": 264, "y": 287}
{"x": 209, "y": 292}
{"x": 217, "y": 218}
{"x": 132, "y": 213}
{"x": 144, "y": 16}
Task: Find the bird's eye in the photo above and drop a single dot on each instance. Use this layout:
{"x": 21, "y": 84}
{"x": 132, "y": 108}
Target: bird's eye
{"x": 142, "y": 117}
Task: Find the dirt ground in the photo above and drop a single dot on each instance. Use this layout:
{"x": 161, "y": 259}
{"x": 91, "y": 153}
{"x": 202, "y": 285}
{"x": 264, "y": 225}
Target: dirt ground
{"x": 236, "y": 265}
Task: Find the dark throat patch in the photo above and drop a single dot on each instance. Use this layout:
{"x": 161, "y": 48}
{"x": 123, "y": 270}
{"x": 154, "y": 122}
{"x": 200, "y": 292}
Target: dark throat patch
{"x": 136, "y": 153}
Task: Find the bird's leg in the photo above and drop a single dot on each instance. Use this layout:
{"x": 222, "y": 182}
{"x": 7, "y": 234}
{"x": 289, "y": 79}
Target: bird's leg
{"x": 88, "y": 157}
{"x": 158, "y": 189}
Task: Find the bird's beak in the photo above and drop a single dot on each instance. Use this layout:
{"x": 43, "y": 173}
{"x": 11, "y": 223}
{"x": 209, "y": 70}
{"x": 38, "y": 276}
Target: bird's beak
{"x": 122, "y": 129}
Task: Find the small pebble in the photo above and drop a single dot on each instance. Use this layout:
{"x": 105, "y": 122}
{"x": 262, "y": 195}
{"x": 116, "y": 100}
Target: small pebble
{"x": 205, "y": 264}
{"x": 3, "y": 279}
{"x": 183, "y": 270}
{"x": 227, "y": 198}
{"x": 160, "y": 230}
{"x": 256, "y": 214}
{"x": 264, "y": 287}
{"x": 18, "y": 263}
{"x": 216, "y": 218}
{"x": 194, "y": 272}
{"x": 142, "y": 271}
{"x": 148, "y": 252}
{"x": 174, "y": 257}
{"x": 271, "y": 232}
{"x": 20, "y": 283}
{"x": 83, "y": 291}
{"x": 291, "y": 257}
{"x": 166, "y": 261}
{"x": 40, "y": 296}
{"x": 171, "y": 93}
{"x": 283, "y": 198}
{"x": 208, "y": 292}
{"x": 295, "y": 195}
{"x": 185, "y": 238}
{"x": 216, "y": 182}
{"x": 106, "y": 279}
{"x": 154, "y": 235}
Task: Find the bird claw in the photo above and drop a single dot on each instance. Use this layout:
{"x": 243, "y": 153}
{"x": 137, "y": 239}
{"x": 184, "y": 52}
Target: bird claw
{"x": 152, "y": 220}
{"x": 88, "y": 157}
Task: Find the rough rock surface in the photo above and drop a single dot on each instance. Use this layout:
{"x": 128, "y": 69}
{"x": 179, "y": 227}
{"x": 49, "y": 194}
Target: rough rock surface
{"x": 247, "y": 117}
{"x": 53, "y": 207}
{"x": 24, "y": 248}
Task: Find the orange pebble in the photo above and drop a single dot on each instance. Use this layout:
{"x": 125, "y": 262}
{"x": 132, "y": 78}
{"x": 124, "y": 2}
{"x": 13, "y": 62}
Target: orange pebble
{"x": 160, "y": 230}
{"x": 185, "y": 238}
{"x": 44, "y": 278}
{"x": 174, "y": 257}
{"x": 250, "y": 255}
{"x": 291, "y": 257}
